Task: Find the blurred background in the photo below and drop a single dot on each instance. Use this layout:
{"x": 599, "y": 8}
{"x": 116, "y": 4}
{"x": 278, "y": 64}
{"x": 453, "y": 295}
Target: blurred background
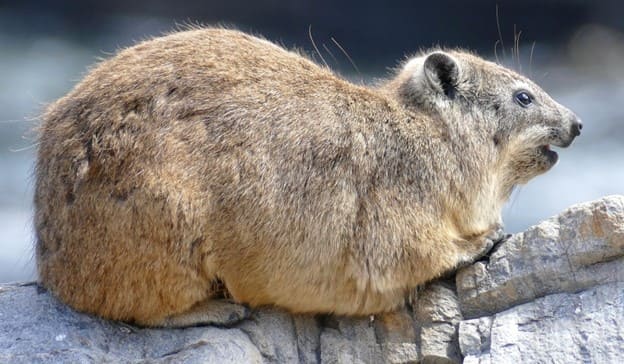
{"x": 574, "y": 49}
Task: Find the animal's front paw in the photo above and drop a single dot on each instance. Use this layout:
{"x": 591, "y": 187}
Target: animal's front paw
{"x": 482, "y": 247}
{"x": 491, "y": 241}
{"x": 497, "y": 235}
{"x": 486, "y": 245}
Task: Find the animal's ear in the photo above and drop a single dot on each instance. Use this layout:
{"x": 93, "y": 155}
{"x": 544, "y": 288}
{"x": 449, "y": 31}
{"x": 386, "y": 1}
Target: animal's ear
{"x": 442, "y": 73}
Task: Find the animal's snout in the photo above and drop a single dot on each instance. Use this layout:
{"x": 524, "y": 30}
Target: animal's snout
{"x": 573, "y": 124}
{"x": 577, "y": 125}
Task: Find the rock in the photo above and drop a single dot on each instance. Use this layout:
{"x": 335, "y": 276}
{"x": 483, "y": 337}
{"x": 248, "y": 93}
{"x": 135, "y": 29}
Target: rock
{"x": 584, "y": 327}
{"x": 349, "y": 340}
{"x": 474, "y": 336}
{"x": 36, "y": 328}
{"x": 308, "y": 334}
{"x": 581, "y": 248}
{"x": 554, "y": 293}
{"x": 273, "y": 333}
{"x": 437, "y": 314}
{"x": 396, "y": 334}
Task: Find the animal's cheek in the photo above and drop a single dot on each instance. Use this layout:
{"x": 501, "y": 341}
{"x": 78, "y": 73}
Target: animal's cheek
{"x": 526, "y": 164}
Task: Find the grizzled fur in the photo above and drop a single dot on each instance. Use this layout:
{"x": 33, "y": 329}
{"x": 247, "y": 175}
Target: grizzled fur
{"x": 213, "y": 155}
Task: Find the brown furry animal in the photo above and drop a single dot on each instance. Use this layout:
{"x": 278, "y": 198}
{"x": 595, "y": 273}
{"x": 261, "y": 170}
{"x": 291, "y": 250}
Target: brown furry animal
{"x": 213, "y": 155}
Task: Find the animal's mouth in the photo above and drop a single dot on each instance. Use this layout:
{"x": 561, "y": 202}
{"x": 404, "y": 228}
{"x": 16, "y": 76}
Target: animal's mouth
{"x": 550, "y": 154}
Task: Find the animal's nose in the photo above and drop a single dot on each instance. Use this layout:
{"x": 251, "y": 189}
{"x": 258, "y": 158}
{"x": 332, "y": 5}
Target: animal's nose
{"x": 577, "y": 125}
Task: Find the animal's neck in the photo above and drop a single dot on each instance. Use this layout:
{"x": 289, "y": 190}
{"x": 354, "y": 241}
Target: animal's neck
{"x": 472, "y": 179}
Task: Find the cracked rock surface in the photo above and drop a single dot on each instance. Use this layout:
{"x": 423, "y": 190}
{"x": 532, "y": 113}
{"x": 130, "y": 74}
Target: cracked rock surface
{"x": 552, "y": 294}
{"x": 578, "y": 249}
{"x": 584, "y": 327}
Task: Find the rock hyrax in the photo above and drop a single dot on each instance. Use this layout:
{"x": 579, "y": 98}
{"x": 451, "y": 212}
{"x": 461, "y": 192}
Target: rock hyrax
{"x": 212, "y": 155}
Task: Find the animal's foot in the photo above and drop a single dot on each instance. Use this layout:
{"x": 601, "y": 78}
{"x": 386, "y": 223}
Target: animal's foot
{"x": 210, "y": 312}
{"x": 491, "y": 241}
{"x": 484, "y": 246}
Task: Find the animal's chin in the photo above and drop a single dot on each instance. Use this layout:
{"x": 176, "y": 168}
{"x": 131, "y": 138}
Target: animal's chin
{"x": 550, "y": 155}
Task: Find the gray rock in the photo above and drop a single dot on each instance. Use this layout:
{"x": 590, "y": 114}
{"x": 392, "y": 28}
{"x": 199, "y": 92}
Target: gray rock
{"x": 273, "y": 333}
{"x": 474, "y": 336}
{"x": 437, "y": 314}
{"x": 584, "y": 327}
{"x": 583, "y": 247}
{"x": 36, "y": 328}
{"x": 349, "y": 340}
{"x": 396, "y": 334}
{"x": 554, "y": 293}
{"x": 308, "y": 334}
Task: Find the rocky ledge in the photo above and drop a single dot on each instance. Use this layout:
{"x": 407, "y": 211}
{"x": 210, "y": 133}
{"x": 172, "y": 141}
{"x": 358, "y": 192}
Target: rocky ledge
{"x": 554, "y": 293}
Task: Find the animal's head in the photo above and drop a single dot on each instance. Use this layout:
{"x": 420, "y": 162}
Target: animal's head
{"x": 512, "y": 117}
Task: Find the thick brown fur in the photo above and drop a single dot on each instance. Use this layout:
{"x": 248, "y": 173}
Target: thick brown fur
{"x": 213, "y": 155}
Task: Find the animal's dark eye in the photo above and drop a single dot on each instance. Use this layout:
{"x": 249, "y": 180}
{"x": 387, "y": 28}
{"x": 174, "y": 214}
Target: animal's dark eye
{"x": 523, "y": 98}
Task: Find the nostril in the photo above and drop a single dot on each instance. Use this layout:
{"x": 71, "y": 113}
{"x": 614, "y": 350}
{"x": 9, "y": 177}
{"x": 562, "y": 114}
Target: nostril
{"x": 577, "y": 125}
